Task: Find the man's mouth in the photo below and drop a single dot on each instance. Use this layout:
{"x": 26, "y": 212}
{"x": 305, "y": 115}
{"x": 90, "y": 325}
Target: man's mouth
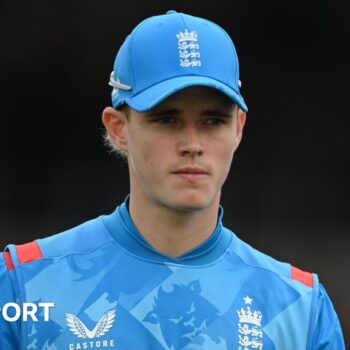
{"x": 191, "y": 173}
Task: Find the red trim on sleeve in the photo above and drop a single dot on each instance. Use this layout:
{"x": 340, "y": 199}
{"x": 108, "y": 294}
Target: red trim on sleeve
{"x": 302, "y": 276}
{"x": 8, "y": 260}
{"x": 28, "y": 252}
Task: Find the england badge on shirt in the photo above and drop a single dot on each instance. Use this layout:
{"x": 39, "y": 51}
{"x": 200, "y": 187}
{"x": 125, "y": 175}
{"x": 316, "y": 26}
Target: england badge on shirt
{"x": 250, "y": 334}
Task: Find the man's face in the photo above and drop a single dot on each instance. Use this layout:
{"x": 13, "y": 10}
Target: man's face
{"x": 180, "y": 152}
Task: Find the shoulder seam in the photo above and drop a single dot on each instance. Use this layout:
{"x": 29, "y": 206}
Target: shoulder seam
{"x": 289, "y": 276}
{"x": 72, "y": 249}
{"x": 268, "y": 270}
{"x": 77, "y": 253}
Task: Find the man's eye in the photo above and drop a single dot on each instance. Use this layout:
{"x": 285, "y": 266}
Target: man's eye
{"x": 215, "y": 121}
{"x": 165, "y": 120}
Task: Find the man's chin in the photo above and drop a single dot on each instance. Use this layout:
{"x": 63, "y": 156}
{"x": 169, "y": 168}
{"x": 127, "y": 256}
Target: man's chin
{"x": 189, "y": 208}
{"x": 191, "y": 203}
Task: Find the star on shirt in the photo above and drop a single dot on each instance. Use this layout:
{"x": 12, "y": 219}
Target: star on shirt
{"x": 247, "y": 300}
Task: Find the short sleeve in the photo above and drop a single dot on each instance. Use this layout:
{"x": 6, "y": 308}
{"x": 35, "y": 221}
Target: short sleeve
{"x": 327, "y": 333}
{"x": 9, "y": 332}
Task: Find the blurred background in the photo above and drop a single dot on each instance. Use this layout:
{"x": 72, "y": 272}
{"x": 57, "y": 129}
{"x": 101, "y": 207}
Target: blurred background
{"x": 288, "y": 191}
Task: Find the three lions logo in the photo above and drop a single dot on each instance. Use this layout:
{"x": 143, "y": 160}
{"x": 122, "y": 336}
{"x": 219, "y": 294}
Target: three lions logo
{"x": 184, "y": 316}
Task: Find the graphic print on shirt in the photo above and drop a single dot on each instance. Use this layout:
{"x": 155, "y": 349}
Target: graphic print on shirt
{"x": 250, "y": 334}
{"x": 187, "y": 323}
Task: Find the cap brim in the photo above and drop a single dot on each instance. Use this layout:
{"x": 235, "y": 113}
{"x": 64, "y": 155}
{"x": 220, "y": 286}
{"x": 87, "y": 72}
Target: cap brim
{"x": 152, "y": 96}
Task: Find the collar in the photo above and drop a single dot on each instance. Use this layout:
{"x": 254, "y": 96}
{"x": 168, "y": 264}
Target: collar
{"x": 122, "y": 229}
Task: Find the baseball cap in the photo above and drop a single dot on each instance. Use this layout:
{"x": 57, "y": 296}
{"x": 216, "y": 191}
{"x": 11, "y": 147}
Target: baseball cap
{"x": 170, "y": 52}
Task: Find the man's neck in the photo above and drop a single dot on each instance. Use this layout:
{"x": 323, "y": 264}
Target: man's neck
{"x": 171, "y": 231}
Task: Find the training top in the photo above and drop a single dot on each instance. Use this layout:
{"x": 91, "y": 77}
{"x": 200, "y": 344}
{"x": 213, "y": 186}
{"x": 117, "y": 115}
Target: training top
{"x": 112, "y": 290}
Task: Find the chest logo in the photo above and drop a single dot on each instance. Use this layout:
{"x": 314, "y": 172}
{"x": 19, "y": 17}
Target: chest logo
{"x": 250, "y": 333}
{"x": 78, "y": 328}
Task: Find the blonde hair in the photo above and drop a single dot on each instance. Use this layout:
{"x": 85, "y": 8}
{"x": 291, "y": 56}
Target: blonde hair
{"x": 111, "y": 146}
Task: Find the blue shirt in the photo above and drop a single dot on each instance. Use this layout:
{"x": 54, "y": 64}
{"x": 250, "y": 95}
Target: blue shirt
{"x": 112, "y": 290}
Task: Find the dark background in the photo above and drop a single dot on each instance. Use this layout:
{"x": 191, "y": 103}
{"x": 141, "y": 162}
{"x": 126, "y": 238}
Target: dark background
{"x": 288, "y": 191}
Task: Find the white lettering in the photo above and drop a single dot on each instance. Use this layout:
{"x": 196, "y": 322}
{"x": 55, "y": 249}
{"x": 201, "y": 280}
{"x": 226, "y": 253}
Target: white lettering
{"x": 92, "y": 344}
{"x": 46, "y": 307}
{"x": 29, "y": 309}
{"x": 5, "y": 312}
{"x": 26, "y": 310}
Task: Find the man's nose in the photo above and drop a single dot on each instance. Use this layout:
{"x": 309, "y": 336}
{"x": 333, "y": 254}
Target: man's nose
{"x": 190, "y": 144}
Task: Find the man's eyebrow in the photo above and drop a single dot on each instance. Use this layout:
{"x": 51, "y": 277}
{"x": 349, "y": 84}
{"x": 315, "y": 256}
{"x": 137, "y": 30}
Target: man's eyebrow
{"x": 177, "y": 111}
{"x": 164, "y": 112}
{"x": 216, "y": 113}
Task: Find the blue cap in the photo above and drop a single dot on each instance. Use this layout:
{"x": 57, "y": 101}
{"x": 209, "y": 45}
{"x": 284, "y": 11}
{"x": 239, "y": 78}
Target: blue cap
{"x": 167, "y": 53}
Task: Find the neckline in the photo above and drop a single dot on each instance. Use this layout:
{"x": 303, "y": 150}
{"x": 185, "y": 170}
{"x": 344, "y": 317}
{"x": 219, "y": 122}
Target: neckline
{"x": 123, "y": 230}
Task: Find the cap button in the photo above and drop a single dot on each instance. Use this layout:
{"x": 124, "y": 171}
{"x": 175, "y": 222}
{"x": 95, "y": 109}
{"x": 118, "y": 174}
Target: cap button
{"x": 170, "y": 12}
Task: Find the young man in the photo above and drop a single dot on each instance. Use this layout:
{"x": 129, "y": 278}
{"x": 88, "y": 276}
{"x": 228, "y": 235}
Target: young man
{"x": 161, "y": 271}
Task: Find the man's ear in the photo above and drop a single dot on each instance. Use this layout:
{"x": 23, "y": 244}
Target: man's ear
{"x": 241, "y": 119}
{"x": 115, "y": 123}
